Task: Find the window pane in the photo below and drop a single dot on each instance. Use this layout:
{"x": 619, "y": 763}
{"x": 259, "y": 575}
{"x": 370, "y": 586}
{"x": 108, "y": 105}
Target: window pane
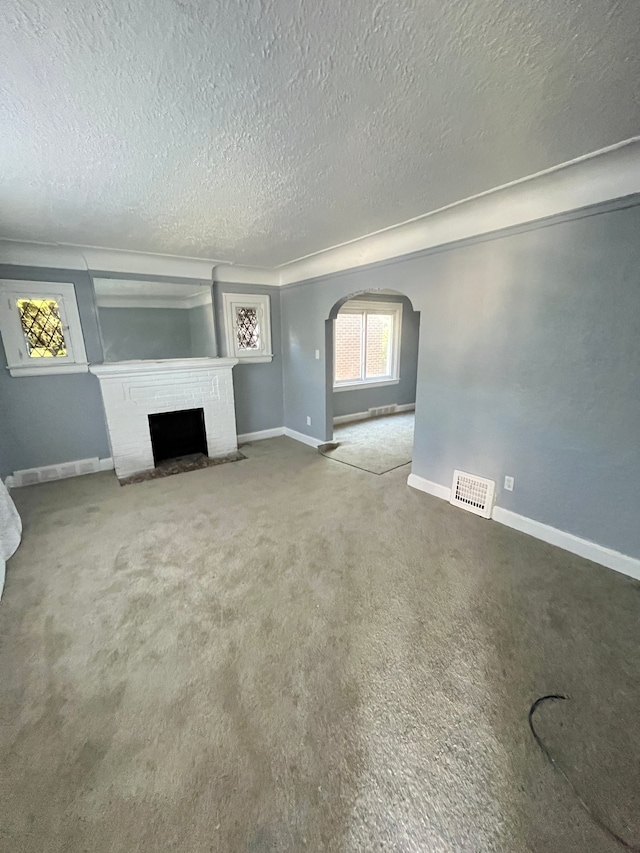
{"x": 42, "y": 328}
{"x": 247, "y": 328}
{"x": 348, "y": 348}
{"x": 379, "y": 341}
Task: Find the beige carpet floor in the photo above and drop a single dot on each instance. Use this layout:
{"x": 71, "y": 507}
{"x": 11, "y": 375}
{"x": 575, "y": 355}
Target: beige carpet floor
{"x": 377, "y": 445}
{"x": 287, "y": 654}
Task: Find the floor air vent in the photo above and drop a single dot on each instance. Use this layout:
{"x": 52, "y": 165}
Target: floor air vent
{"x": 472, "y": 493}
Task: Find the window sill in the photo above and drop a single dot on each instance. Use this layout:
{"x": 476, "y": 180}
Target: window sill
{"x": 254, "y": 359}
{"x": 355, "y": 386}
{"x": 48, "y": 371}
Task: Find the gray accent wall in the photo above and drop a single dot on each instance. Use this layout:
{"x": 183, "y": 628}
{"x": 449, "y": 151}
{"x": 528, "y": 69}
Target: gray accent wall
{"x": 50, "y": 419}
{"x": 145, "y": 333}
{"x": 363, "y": 399}
{"x": 529, "y": 366}
{"x": 201, "y": 329}
{"x": 257, "y": 387}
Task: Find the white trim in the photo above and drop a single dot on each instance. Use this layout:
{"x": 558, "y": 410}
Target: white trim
{"x": 363, "y": 416}
{"x": 567, "y": 541}
{"x": 302, "y": 437}
{"x": 363, "y": 309}
{"x": 72, "y": 256}
{"x": 366, "y": 383}
{"x": 347, "y": 419}
{"x": 610, "y": 173}
{"x": 10, "y": 482}
{"x": 60, "y": 471}
{"x": 185, "y": 304}
{"x": 80, "y": 367}
{"x": 166, "y": 365}
{"x": 428, "y": 486}
{"x": 582, "y": 547}
{"x": 245, "y": 437}
{"x": 16, "y": 347}
{"x": 262, "y": 304}
{"x": 233, "y": 274}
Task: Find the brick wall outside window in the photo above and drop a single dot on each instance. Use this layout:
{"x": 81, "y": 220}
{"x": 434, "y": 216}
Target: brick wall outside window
{"x": 348, "y": 350}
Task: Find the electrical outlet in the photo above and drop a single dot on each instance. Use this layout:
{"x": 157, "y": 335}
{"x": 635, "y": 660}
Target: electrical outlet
{"x": 309, "y": 421}
{"x": 317, "y": 353}
{"x": 508, "y": 483}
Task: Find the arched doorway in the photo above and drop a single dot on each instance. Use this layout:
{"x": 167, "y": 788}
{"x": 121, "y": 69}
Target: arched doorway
{"x": 371, "y": 371}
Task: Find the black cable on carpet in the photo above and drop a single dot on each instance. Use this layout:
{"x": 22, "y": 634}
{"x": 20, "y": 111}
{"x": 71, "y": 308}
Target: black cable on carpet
{"x": 594, "y": 817}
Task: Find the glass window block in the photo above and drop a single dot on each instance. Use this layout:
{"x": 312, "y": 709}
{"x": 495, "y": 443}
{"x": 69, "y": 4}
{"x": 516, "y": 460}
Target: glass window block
{"x": 42, "y": 327}
{"x": 247, "y": 328}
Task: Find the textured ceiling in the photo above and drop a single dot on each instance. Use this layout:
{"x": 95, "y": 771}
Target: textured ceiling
{"x": 258, "y": 132}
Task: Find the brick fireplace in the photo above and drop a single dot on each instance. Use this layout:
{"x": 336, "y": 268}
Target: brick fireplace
{"x": 133, "y": 390}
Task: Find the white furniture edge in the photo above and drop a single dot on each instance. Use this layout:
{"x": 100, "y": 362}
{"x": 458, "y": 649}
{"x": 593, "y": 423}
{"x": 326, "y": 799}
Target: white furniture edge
{"x": 604, "y": 175}
{"x": 567, "y": 541}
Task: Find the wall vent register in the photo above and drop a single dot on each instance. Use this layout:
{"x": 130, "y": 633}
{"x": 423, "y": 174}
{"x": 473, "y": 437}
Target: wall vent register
{"x": 475, "y": 494}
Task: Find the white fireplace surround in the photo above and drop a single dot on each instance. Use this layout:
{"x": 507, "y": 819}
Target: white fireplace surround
{"x": 133, "y": 390}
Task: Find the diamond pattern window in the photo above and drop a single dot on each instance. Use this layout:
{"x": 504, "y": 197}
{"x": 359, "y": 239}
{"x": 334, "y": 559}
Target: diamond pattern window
{"x": 247, "y": 322}
{"x": 247, "y": 328}
{"x": 40, "y": 328}
{"x": 366, "y": 344}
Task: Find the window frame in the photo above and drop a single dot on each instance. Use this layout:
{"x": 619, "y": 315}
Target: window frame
{"x": 262, "y": 304}
{"x": 363, "y": 308}
{"x": 19, "y": 362}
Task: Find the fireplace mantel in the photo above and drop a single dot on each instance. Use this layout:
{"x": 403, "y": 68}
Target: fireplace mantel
{"x": 161, "y": 365}
{"x": 133, "y": 390}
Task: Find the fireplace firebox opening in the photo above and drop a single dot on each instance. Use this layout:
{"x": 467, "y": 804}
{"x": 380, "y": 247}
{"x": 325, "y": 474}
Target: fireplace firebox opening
{"x": 175, "y": 434}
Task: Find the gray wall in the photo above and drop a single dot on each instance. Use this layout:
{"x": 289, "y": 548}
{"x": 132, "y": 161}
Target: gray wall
{"x": 362, "y": 399}
{"x": 529, "y": 362}
{"x": 257, "y": 387}
{"x": 203, "y": 336}
{"x": 51, "y": 419}
{"x": 45, "y": 420}
{"x": 145, "y": 333}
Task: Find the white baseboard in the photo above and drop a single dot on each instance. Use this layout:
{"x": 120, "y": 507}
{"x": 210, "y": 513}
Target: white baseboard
{"x": 429, "y": 487}
{"x": 61, "y": 471}
{"x": 363, "y": 416}
{"x": 300, "y": 436}
{"x": 567, "y": 541}
{"x": 582, "y": 547}
{"x": 244, "y": 437}
{"x": 347, "y": 419}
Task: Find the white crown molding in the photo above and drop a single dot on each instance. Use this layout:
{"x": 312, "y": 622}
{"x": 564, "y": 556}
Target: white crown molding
{"x": 611, "y": 173}
{"x": 185, "y": 303}
{"x": 235, "y": 274}
{"x": 71, "y": 257}
{"x": 605, "y": 175}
